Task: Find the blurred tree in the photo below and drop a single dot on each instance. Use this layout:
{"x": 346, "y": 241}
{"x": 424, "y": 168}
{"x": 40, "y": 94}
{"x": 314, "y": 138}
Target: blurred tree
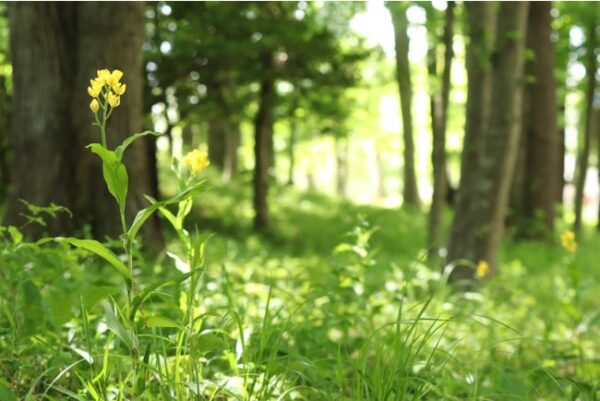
{"x": 55, "y": 50}
{"x": 4, "y": 105}
{"x": 400, "y": 22}
{"x": 535, "y": 211}
{"x": 500, "y": 140}
{"x": 590, "y": 20}
{"x": 481, "y": 24}
{"x": 439, "y": 95}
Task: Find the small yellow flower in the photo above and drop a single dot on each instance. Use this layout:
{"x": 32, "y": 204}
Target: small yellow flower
{"x": 119, "y": 89}
{"x": 94, "y": 105}
{"x": 568, "y": 241}
{"x": 103, "y": 76}
{"x": 113, "y": 100}
{"x": 114, "y": 78}
{"x": 482, "y": 269}
{"x": 196, "y": 160}
{"x": 95, "y": 88}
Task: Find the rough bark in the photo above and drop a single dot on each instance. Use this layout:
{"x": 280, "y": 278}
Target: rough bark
{"x": 481, "y": 21}
{"x": 591, "y": 66}
{"x": 57, "y": 48}
{"x": 502, "y": 137}
{"x": 263, "y": 134}
{"x": 400, "y": 22}
{"x": 541, "y": 136}
{"x": 439, "y": 112}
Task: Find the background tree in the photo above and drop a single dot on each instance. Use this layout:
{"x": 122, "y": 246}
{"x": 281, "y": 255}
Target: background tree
{"x": 61, "y": 41}
{"x": 400, "y": 22}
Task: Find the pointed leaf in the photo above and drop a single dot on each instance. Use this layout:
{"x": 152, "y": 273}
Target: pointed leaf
{"x": 130, "y": 139}
{"x": 100, "y": 250}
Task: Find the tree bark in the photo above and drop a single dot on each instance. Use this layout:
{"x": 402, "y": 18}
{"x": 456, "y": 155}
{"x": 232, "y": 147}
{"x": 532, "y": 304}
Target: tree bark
{"x": 400, "y": 22}
{"x": 341, "y": 163}
{"x": 4, "y": 139}
{"x": 263, "y": 134}
{"x": 591, "y": 67}
{"x": 481, "y": 21}
{"x": 439, "y": 112}
{"x": 56, "y": 50}
{"x": 502, "y": 137}
{"x": 541, "y": 136}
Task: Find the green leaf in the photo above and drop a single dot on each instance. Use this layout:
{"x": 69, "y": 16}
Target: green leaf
{"x": 130, "y": 139}
{"x": 114, "y": 172}
{"x": 15, "y": 234}
{"x": 161, "y": 321}
{"x": 6, "y": 393}
{"x": 144, "y": 214}
{"x": 113, "y": 324}
{"x": 100, "y": 250}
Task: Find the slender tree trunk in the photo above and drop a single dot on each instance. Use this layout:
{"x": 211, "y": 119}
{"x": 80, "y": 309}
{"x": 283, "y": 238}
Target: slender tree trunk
{"x": 217, "y": 133}
{"x": 55, "y": 52}
{"x": 263, "y": 134}
{"x": 232, "y": 144}
{"x": 481, "y": 21}
{"x": 439, "y": 111}
{"x": 4, "y": 139}
{"x": 540, "y": 130}
{"x": 292, "y": 150}
{"x": 341, "y": 162}
{"x": 380, "y": 169}
{"x": 583, "y": 160}
{"x": 400, "y": 22}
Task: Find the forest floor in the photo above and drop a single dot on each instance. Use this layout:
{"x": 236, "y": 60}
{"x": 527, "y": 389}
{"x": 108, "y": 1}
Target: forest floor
{"x": 339, "y": 302}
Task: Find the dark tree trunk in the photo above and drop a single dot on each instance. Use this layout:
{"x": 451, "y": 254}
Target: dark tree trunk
{"x": 232, "y": 144}
{"x": 42, "y": 134}
{"x": 591, "y": 67}
{"x": 502, "y": 138}
{"x": 263, "y": 140}
{"x": 217, "y": 131}
{"x": 4, "y": 139}
{"x": 439, "y": 111}
{"x": 400, "y": 22}
{"x": 56, "y": 50}
{"x": 540, "y": 131}
{"x": 481, "y": 21}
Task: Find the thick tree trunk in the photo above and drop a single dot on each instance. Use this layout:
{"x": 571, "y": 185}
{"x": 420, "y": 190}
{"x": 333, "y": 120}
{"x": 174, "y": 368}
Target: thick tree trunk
{"x": 42, "y": 134}
{"x": 591, "y": 67}
{"x": 540, "y": 131}
{"x": 439, "y": 111}
{"x": 56, "y": 50}
{"x": 263, "y": 139}
{"x": 481, "y": 21}
{"x": 400, "y": 22}
{"x": 502, "y": 137}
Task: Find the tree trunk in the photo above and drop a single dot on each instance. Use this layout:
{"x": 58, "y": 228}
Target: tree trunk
{"x": 56, "y": 51}
{"x": 481, "y": 21}
{"x": 502, "y": 138}
{"x": 540, "y": 131}
{"x": 217, "y": 132}
{"x": 44, "y": 67}
{"x": 4, "y": 139}
{"x": 583, "y": 160}
{"x": 380, "y": 169}
{"x": 263, "y": 139}
{"x": 439, "y": 111}
{"x": 400, "y": 22}
{"x": 232, "y": 144}
{"x": 292, "y": 150}
{"x": 341, "y": 162}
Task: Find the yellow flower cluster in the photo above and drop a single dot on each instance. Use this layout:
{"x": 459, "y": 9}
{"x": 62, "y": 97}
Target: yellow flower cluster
{"x": 568, "y": 241}
{"x": 106, "y": 89}
{"x": 482, "y": 269}
{"x": 196, "y": 160}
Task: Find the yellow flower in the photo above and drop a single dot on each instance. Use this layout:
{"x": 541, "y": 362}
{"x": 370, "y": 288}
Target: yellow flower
{"x": 568, "y": 241}
{"x": 196, "y": 160}
{"x": 95, "y": 88}
{"x": 94, "y": 106}
{"x": 119, "y": 89}
{"x": 482, "y": 269}
{"x": 114, "y": 78}
{"x": 103, "y": 76}
{"x": 113, "y": 100}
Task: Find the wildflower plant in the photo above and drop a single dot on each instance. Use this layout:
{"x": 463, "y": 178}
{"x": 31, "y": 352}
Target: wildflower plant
{"x": 126, "y": 322}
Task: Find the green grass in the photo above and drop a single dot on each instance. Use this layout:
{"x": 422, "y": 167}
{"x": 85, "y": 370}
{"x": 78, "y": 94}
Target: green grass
{"x": 337, "y": 303}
